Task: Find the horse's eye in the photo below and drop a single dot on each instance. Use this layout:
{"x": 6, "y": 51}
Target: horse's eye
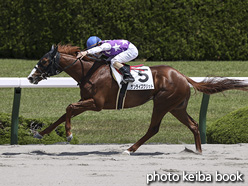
{"x": 43, "y": 62}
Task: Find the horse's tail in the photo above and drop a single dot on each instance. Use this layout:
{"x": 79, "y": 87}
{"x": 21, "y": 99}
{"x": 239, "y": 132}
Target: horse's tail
{"x": 218, "y": 84}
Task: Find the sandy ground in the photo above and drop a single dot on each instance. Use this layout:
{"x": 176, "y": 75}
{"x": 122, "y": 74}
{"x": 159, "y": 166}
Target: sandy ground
{"x": 69, "y": 165}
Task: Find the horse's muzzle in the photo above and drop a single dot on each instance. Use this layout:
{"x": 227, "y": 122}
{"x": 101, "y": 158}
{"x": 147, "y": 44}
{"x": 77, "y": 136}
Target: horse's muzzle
{"x": 34, "y": 80}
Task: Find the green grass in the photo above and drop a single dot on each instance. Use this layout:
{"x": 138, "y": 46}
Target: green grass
{"x": 125, "y": 126}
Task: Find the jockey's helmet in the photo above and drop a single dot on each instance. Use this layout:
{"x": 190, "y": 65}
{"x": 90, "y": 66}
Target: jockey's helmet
{"x": 92, "y": 41}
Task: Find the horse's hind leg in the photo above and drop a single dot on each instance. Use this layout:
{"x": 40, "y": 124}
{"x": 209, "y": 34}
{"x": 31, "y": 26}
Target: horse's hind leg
{"x": 157, "y": 117}
{"x": 182, "y": 116}
{"x": 162, "y": 105}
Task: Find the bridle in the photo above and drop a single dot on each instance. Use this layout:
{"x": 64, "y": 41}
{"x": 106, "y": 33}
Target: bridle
{"x": 53, "y": 68}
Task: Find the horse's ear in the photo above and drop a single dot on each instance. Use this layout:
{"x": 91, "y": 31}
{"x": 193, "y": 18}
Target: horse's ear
{"x": 54, "y": 50}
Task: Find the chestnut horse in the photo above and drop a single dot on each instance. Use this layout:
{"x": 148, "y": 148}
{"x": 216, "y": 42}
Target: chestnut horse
{"x": 99, "y": 91}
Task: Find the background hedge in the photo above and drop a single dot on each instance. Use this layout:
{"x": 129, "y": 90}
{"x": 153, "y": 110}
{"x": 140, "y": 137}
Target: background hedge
{"x": 230, "y": 129}
{"x": 161, "y": 29}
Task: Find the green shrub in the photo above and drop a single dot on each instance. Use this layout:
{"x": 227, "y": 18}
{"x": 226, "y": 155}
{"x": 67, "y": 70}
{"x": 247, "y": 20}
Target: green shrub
{"x": 161, "y": 29}
{"x": 231, "y": 129}
{"x": 26, "y": 130}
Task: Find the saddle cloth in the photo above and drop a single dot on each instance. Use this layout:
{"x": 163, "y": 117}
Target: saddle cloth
{"x": 143, "y": 81}
{"x": 142, "y": 75}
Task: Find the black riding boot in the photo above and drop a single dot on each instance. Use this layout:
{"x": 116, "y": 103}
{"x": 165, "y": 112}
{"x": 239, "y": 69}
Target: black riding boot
{"x": 126, "y": 74}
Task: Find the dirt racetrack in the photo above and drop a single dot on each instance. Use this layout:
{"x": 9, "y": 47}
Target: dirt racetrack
{"x": 69, "y": 165}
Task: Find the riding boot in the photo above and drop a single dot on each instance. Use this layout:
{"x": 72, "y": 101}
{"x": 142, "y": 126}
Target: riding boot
{"x": 126, "y": 74}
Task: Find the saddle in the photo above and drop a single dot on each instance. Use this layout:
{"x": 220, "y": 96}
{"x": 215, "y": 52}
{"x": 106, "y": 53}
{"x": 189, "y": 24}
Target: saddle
{"x": 142, "y": 75}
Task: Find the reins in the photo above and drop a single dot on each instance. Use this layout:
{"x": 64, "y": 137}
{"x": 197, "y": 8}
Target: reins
{"x": 70, "y": 65}
{"x": 55, "y": 61}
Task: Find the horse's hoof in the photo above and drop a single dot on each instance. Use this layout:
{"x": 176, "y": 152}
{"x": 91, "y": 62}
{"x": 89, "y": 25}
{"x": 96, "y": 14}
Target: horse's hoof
{"x": 38, "y": 136}
{"x": 126, "y": 152}
{"x": 69, "y": 138}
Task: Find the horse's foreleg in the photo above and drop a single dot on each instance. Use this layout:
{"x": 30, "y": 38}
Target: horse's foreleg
{"x": 74, "y": 109}
{"x": 59, "y": 121}
{"x": 53, "y": 126}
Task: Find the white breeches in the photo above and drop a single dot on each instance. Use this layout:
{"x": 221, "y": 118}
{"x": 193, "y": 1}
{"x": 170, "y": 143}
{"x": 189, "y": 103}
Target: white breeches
{"x": 126, "y": 56}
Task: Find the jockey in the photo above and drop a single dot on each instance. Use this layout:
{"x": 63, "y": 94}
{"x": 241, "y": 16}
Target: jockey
{"x": 118, "y": 51}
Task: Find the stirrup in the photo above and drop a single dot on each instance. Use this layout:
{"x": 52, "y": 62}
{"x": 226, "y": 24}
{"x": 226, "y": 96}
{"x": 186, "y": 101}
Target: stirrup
{"x": 129, "y": 79}
{"x": 127, "y": 76}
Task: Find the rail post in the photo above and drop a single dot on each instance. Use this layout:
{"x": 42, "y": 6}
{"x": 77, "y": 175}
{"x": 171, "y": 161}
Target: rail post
{"x": 203, "y": 116}
{"x": 15, "y": 115}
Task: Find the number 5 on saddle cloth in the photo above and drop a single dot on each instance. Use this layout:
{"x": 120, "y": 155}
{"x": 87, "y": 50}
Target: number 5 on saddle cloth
{"x": 143, "y": 81}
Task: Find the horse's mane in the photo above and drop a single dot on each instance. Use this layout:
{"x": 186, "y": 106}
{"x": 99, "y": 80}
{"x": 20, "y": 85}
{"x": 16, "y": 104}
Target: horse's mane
{"x": 68, "y": 49}
{"x": 73, "y": 50}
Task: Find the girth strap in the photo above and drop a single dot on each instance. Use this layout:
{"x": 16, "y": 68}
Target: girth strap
{"x": 121, "y": 96}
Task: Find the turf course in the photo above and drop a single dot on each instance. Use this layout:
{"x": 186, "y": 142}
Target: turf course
{"x": 126, "y": 126}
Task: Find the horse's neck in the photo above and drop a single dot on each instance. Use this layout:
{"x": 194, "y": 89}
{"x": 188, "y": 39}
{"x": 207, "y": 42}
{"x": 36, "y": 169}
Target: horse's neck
{"x": 81, "y": 69}
{"x": 74, "y": 71}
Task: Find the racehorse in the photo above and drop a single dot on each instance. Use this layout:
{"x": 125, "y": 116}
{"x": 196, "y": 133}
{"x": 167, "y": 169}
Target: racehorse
{"x": 98, "y": 90}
